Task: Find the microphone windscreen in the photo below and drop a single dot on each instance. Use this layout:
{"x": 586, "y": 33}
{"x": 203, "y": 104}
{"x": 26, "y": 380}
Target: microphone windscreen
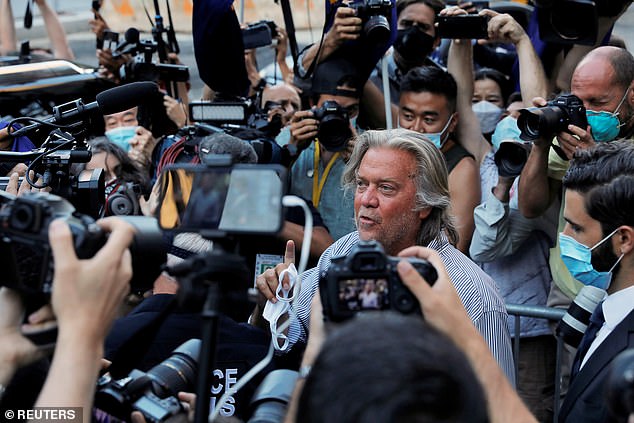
{"x": 126, "y": 96}
{"x": 132, "y": 36}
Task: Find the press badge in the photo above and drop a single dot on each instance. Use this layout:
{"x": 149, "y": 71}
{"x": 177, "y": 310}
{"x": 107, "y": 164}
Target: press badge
{"x": 265, "y": 261}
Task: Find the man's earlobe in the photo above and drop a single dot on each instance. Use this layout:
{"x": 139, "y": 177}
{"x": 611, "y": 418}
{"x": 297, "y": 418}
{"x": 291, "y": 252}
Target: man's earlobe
{"x": 422, "y": 214}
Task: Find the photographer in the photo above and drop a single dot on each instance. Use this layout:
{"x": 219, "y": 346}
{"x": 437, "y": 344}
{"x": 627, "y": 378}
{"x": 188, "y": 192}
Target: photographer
{"x": 85, "y": 299}
{"x": 399, "y": 180}
{"x": 316, "y": 174}
{"x": 604, "y": 81}
{"x": 339, "y": 385}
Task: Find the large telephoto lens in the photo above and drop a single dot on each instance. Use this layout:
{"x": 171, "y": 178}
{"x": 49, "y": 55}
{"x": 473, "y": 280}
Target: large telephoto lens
{"x": 178, "y": 372}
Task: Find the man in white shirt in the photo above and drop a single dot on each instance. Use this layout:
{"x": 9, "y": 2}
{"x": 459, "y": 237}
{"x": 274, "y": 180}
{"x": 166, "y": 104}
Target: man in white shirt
{"x": 597, "y": 246}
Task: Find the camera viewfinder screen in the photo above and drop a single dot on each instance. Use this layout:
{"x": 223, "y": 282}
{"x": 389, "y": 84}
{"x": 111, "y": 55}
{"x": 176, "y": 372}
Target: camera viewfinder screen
{"x": 363, "y": 294}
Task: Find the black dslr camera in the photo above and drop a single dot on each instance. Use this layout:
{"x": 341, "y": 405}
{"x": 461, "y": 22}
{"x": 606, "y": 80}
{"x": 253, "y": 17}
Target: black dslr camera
{"x": 334, "y": 126}
{"x": 375, "y": 16}
{"x": 26, "y": 255}
{"x": 152, "y": 393}
{"x": 365, "y": 280}
{"x": 555, "y": 117}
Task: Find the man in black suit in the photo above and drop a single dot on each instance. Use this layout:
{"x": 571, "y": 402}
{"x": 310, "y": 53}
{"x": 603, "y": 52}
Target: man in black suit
{"x": 597, "y": 246}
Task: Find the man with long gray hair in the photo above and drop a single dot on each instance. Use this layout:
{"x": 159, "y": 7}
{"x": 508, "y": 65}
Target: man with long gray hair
{"x": 401, "y": 199}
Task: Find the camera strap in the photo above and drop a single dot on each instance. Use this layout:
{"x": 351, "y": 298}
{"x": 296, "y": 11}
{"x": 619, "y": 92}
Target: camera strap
{"x": 318, "y": 184}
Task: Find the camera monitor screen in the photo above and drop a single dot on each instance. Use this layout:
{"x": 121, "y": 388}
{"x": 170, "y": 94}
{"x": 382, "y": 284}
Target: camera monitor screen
{"x": 223, "y": 199}
{"x": 363, "y": 294}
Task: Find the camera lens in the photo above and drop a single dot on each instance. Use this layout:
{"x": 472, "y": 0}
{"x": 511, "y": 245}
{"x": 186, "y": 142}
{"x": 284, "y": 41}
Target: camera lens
{"x": 25, "y": 217}
{"x": 574, "y": 323}
{"x": 511, "y": 158}
{"x": 377, "y": 29}
{"x": 178, "y": 372}
{"x": 543, "y": 122}
{"x": 334, "y": 132}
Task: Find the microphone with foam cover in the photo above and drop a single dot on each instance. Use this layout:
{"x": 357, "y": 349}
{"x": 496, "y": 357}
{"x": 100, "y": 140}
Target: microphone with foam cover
{"x": 130, "y": 41}
{"x": 114, "y": 100}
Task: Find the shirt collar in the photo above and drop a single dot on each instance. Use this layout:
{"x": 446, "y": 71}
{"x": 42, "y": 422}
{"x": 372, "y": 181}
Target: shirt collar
{"x": 618, "y": 305}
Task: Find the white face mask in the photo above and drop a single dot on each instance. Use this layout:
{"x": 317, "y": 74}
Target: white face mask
{"x": 488, "y": 114}
{"x": 273, "y": 311}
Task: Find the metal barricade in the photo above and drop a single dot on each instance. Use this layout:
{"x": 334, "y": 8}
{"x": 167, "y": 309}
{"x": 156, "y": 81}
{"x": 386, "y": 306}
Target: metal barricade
{"x": 540, "y": 312}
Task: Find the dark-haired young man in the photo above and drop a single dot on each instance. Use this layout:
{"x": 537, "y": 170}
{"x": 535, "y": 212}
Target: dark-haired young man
{"x": 597, "y": 247}
{"x": 428, "y": 105}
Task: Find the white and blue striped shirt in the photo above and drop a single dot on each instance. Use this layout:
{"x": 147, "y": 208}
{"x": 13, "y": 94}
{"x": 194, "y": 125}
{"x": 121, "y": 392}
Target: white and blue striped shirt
{"x": 476, "y": 289}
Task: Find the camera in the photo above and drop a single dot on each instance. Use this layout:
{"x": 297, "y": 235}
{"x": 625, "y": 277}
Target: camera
{"x": 270, "y": 401}
{"x": 462, "y": 26}
{"x": 26, "y": 254}
{"x": 511, "y": 157}
{"x": 122, "y": 199}
{"x": 366, "y": 279}
{"x": 545, "y": 122}
{"x": 259, "y": 34}
{"x": 153, "y": 393}
{"x": 334, "y": 126}
{"x": 375, "y": 16}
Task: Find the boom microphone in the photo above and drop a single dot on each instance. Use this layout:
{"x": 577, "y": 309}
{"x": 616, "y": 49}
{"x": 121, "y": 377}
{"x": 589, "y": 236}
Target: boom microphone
{"x": 114, "y": 100}
{"x": 130, "y": 41}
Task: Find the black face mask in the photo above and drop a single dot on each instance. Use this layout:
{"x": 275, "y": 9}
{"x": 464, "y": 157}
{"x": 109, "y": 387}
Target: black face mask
{"x": 413, "y": 44}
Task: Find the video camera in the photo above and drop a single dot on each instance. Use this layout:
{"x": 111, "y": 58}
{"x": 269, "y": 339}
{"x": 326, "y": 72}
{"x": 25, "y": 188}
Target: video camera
{"x": 375, "y": 16}
{"x": 153, "y": 393}
{"x": 545, "y": 122}
{"x": 334, "y": 126}
{"x": 26, "y": 252}
{"x": 259, "y": 34}
{"x": 367, "y": 268}
{"x": 243, "y": 118}
{"x": 142, "y": 68}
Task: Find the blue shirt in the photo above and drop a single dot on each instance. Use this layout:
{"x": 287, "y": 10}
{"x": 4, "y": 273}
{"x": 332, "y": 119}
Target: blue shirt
{"x": 336, "y": 205}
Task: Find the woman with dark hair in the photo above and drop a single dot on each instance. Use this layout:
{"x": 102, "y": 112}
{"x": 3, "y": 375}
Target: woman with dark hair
{"x": 125, "y": 181}
{"x": 490, "y": 91}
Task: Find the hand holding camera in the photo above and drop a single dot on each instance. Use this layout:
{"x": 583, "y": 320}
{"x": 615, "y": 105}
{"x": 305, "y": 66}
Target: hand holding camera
{"x": 346, "y": 26}
{"x": 503, "y": 28}
{"x": 304, "y": 128}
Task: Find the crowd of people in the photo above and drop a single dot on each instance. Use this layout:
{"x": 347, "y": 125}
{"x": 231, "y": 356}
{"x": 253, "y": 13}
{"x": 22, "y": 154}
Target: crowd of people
{"x": 432, "y": 170}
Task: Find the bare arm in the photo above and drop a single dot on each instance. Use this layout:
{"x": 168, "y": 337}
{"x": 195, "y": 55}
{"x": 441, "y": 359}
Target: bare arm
{"x": 536, "y": 190}
{"x": 346, "y": 26}
{"x": 86, "y": 297}
{"x": 460, "y": 66}
{"x": 320, "y": 240}
{"x": 55, "y": 31}
{"x": 464, "y": 191}
{"x": 8, "y": 42}
{"x": 443, "y": 309}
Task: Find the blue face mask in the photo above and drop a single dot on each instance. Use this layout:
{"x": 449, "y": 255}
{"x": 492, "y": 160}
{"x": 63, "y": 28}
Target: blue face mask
{"x": 578, "y": 259}
{"x": 284, "y": 137}
{"x": 506, "y": 129}
{"x": 121, "y": 136}
{"x": 437, "y": 137}
{"x": 605, "y": 125}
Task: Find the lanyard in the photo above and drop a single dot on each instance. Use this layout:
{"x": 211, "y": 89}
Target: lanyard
{"x": 318, "y": 185}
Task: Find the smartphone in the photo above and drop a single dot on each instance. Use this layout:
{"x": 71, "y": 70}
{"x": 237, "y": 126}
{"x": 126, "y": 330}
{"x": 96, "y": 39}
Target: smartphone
{"x": 462, "y": 26}
{"x": 478, "y": 5}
